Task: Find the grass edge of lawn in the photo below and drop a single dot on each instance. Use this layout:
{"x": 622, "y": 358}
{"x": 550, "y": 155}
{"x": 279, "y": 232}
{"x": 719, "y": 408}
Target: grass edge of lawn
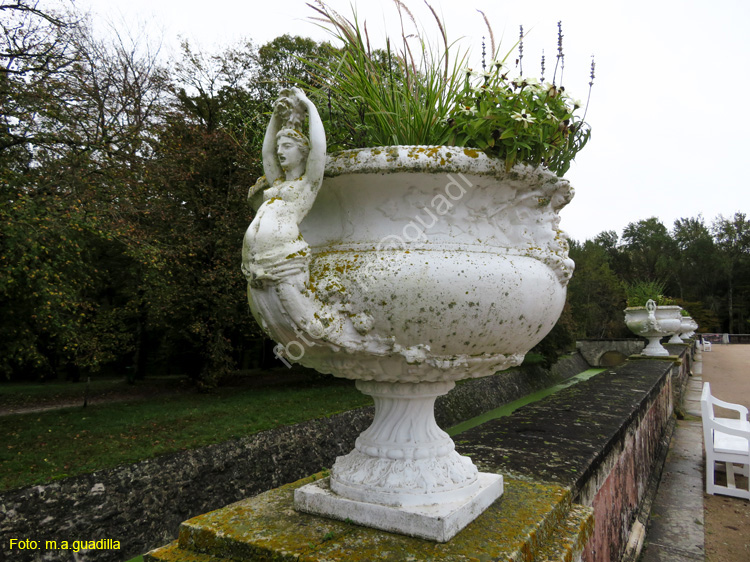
{"x": 47, "y": 446}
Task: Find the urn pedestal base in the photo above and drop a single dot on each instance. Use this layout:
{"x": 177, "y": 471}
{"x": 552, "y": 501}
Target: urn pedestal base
{"x": 404, "y": 474}
{"x": 655, "y": 348}
{"x": 440, "y": 522}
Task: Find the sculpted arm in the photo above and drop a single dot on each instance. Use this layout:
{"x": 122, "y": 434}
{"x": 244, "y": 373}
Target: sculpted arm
{"x": 271, "y": 166}
{"x": 316, "y": 160}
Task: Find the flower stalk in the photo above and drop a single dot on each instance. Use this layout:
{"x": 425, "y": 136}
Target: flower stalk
{"x": 423, "y": 94}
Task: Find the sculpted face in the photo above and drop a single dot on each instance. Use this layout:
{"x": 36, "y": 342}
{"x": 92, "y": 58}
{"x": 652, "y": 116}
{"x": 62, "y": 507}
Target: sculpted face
{"x": 289, "y": 153}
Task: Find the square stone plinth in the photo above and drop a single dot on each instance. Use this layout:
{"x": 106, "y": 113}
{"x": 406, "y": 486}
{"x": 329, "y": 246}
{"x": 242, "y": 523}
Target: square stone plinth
{"x": 434, "y": 522}
{"x": 531, "y": 521}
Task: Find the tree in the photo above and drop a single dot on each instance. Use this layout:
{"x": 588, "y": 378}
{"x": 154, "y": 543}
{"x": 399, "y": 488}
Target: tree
{"x": 199, "y": 177}
{"x": 72, "y": 150}
{"x": 651, "y": 251}
{"x": 706, "y": 318}
{"x": 698, "y": 267}
{"x": 123, "y": 200}
{"x": 37, "y": 47}
{"x": 596, "y": 294}
{"x": 732, "y": 236}
{"x": 282, "y": 63}
{"x": 40, "y": 285}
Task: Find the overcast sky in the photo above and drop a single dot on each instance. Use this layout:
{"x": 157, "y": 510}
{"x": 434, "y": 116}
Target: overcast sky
{"x": 670, "y": 108}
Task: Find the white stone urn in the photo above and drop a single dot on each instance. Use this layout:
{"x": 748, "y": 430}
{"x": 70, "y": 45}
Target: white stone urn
{"x": 415, "y": 267}
{"x": 653, "y": 323}
{"x": 688, "y": 327}
{"x": 675, "y": 335}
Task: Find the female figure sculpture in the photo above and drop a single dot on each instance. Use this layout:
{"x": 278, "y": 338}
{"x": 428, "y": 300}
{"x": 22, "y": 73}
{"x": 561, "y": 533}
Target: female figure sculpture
{"x": 294, "y": 167}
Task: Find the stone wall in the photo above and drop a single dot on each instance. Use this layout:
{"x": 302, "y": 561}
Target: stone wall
{"x": 617, "y": 488}
{"x": 602, "y": 438}
{"x": 618, "y": 485}
{"x": 474, "y": 397}
{"x": 142, "y": 505}
{"x": 603, "y": 353}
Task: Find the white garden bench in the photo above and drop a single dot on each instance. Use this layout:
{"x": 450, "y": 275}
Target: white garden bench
{"x": 726, "y": 441}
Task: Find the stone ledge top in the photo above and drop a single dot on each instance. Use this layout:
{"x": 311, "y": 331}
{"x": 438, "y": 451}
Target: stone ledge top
{"x": 566, "y": 436}
{"x": 529, "y": 517}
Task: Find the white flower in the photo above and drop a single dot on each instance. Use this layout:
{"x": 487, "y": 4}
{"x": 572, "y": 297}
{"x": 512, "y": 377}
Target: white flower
{"x": 523, "y": 82}
{"x": 497, "y": 64}
{"x": 523, "y": 117}
{"x": 550, "y": 115}
{"x": 571, "y": 100}
{"x": 468, "y": 110}
{"x": 479, "y": 89}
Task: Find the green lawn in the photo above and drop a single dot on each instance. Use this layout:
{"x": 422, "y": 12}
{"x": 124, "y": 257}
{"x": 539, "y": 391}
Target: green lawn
{"x": 41, "y": 447}
{"x": 163, "y": 415}
{"x": 14, "y": 395}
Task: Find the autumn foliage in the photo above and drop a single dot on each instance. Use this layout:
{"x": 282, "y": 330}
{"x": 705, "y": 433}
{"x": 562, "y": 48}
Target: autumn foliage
{"x": 123, "y": 182}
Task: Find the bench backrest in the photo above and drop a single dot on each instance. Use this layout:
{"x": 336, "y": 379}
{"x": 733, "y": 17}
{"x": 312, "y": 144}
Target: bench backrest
{"x": 726, "y": 425}
{"x": 707, "y": 405}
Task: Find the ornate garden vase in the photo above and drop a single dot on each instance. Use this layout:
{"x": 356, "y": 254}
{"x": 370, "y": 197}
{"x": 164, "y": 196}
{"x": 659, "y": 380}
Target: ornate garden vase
{"x": 670, "y": 318}
{"x": 653, "y": 323}
{"x": 688, "y": 327}
{"x": 414, "y": 267}
{"x": 675, "y": 335}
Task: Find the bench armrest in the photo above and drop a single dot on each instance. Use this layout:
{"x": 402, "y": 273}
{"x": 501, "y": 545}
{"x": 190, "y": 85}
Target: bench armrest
{"x": 728, "y": 429}
{"x": 729, "y": 406}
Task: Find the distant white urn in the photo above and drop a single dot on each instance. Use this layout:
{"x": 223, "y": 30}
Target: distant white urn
{"x": 414, "y": 268}
{"x": 688, "y": 327}
{"x": 675, "y": 335}
{"x": 653, "y": 323}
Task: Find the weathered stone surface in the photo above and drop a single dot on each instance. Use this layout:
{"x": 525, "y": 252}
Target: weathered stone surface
{"x": 438, "y": 521}
{"x": 673, "y": 532}
{"x": 474, "y": 397}
{"x": 142, "y": 505}
{"x": 558, "y": 438}
{"x": 569, "y": 366}
{"x": 600, "y": 438}
{"x": 516, "y": 527}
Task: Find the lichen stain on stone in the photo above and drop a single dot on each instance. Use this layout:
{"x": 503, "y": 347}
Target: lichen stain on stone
{"x": 265, "y": 528}
{"x": 300, "y": 254}
{"x": 324, "y": 264}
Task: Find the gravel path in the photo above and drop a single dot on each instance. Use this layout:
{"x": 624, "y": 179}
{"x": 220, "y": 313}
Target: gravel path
{"x": 727, "y": 519}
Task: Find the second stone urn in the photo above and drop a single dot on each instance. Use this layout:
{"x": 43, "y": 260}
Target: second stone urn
{"x": 410, "y": 269}
{"x": 653, "y": 323}
{"x": 688, "y": 327}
